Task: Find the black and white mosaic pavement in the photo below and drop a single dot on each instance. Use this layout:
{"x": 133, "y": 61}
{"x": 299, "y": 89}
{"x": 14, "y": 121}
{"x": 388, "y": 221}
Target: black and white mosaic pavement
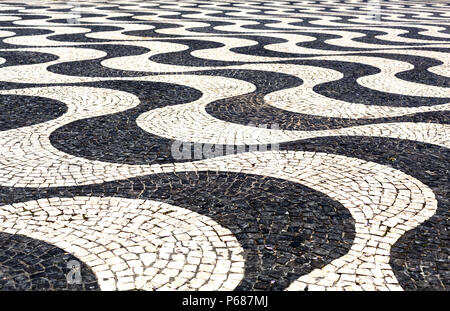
{"x": 224, "y": 145}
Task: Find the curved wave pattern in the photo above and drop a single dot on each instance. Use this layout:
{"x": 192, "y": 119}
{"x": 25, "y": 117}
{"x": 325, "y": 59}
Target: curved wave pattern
{"x": 353, "y": 98}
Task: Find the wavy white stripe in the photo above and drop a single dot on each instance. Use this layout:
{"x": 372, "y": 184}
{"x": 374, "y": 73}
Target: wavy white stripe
{"x": 383, "y": 213}
{"x": 29, "y": 159}
{"x": 134, "y": 244}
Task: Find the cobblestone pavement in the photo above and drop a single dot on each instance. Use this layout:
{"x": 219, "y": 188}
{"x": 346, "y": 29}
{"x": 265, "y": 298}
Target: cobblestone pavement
{"x": 220, "y": 145}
